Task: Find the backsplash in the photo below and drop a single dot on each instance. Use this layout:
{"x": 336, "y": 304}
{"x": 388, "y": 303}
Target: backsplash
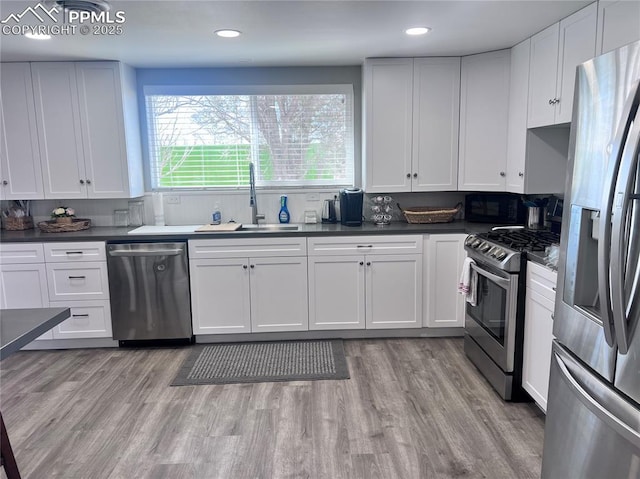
{"x": 186, "y": 208}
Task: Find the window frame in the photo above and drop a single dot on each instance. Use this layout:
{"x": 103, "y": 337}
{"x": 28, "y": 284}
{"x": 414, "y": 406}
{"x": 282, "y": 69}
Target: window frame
{"x": 250, "y": 89}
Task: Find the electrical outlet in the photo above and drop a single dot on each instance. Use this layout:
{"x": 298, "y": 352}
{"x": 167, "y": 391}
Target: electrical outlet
{"x": 173, "y": 200}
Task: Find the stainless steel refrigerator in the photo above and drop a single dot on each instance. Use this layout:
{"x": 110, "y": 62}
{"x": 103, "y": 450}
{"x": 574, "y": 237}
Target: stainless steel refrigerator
{"x": 592, "y": 427}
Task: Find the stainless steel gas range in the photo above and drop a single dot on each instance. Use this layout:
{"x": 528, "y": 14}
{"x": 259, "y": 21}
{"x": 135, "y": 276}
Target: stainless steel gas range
{"x": 494, "y": 327}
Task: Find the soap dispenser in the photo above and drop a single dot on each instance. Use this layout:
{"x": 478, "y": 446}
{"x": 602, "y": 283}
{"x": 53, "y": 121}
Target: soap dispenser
{"x": 284, "y": 216}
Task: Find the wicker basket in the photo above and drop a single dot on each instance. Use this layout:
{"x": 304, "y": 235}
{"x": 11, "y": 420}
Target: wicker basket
{"x": 17, "y": 224}
{"x": 430, "y": 214}
{"x": 77, "y": 224}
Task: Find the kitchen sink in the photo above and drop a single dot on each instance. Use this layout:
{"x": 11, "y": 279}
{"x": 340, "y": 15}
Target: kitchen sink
{"x": 269, "y": 227}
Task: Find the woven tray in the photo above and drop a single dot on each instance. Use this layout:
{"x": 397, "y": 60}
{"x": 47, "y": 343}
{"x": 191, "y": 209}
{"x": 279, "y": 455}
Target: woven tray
{"x": 78, "y": 224}
{"x": 430, "y": 214}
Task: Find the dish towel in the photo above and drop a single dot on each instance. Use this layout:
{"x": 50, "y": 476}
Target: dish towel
{"x": 468, "y": 282}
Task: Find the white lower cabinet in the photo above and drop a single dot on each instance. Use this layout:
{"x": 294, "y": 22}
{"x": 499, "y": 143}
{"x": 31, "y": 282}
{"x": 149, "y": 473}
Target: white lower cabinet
{"x": 235, "y": 293}
{"x": 445, "y": 308}
{"x": 89, "y": 319}
{"x": 23, "y": 278}
{"x": 379, "y": 290}
{"x": 538, "y": 332}
{"x": 77, "y": 279}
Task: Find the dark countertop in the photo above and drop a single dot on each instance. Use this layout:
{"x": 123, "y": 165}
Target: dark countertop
{"x": 18, "y": 327}
{"x": 539, "y": 258}
{"x": 105, "y": 233}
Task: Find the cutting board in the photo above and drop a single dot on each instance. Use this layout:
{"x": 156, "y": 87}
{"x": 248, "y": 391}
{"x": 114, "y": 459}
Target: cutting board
{"x": 221, "y": 227}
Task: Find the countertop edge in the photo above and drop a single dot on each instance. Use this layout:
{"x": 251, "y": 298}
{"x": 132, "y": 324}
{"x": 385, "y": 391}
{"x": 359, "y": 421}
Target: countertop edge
{"x": 105, "y": 233}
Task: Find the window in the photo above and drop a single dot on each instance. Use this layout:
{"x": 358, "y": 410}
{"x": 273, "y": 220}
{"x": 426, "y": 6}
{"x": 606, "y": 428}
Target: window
{"x": 296, "y": 136}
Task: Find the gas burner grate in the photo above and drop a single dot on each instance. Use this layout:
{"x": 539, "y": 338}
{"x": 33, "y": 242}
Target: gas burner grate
{"x": 523, "y": 240}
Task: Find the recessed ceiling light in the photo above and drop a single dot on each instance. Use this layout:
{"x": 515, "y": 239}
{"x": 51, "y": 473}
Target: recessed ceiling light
{"x": 227, "y": 33}
{"x": 37, "y": 36}
{"x": 417, "y": 30}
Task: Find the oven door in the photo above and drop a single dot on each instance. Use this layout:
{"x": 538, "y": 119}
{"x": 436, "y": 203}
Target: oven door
{"x": 492, "y": 321}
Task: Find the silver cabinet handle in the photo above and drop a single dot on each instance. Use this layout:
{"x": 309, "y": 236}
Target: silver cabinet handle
{"x": 606, "y": 210}
{"x": 77, "y": 277}
{"x": 520, "y": 174}
{"x": 408, "y": 175}
{"x": 244, "y": 266}
{"x": 415, "y": 175}
{"x": 82, "y": 182}
{"x": 368, "y": 263}
{"x": 79, "y": 315}
{"x": 88, "y": 182}
{"x": 361, "y": 263}
{"x": 503, "y": 174}
{"x": 5, "y": 182}
{"x": 73, "y": 252}
{"x": 252, "y": 266}
{"x": 364, "y": 246}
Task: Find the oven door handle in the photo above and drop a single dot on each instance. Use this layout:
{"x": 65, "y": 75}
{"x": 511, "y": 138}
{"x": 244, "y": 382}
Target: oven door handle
{"x": 499, "y": 280}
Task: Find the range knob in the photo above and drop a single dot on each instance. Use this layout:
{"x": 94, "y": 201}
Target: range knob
{"x": 485, "y": 247}
{"x": 476, "y": 243}
{"x": 500, "y": 254}
{"x": 470, "y": 239}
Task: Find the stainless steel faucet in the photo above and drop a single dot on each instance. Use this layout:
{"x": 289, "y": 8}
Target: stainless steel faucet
{"x": 253, "y": 200}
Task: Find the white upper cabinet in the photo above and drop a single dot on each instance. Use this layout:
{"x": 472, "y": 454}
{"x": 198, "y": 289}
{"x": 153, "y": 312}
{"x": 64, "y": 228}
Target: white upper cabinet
{"x": 20, "y": 174}
{"x": 618, "y": 24}
{"x": 484, "y": 110}
{"x": 555, "y": 54}
{"x": 388, "y": 113}
{"x": 411, "y": 114}
{"x": 517, "y": 128}
{"x": 436, "y": 116}
{"x": 88, "y": 129}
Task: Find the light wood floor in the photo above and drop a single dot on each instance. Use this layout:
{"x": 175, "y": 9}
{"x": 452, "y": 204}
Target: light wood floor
{"x": 413, "y": 408}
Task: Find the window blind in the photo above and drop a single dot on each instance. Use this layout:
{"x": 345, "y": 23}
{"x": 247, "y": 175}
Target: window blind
{"x": 295, "y": 138}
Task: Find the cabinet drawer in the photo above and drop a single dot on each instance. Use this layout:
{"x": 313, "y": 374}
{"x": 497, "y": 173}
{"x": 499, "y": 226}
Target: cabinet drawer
{"x": 245, "y": 247}
{"x": 347, "y": 245}
{"x": 71, "y": 282}
{"x": 74, "y": 252}
{"x": 21, "y": 253}
{"x": 89, "y": 319}
{"x": 542, "y": 280}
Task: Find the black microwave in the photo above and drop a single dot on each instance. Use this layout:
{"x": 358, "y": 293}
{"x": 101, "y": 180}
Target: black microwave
{"x": 499, "y": 208}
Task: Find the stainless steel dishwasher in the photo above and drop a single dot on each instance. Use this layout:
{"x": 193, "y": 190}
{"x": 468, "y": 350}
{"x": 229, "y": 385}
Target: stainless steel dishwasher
{"x": 149, "y": 288}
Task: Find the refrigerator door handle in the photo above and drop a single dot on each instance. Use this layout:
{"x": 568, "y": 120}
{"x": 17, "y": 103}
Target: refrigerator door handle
{"x": 605, "y": 230}
{"x": 621, "y": 425}
{"x": 619, "y": 242}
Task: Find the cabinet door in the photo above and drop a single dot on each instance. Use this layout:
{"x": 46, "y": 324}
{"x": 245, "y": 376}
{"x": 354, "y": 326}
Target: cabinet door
{"x": 24, "y": 286}
{"x": 393, "y": 291}
{"x": 59, "y": 132}
{"x": 517, "y": 130}
{"x": 21, "y": 175}
{"x": 484, "y": 109}
{"x": 220, "y": 301}
{"x": 445, "y": 308}
{"x": 336, "y": 292}
{"x": 102, "y": 127}
{"x": 279, "y": 294}
{"x": 618, "y": 24}
{"x": 577, "y": 45}
{"x": 543, "y": 76}
{"x": 388, "y": 100}
{"x": 538, "y": 336}
{"x": 89, "y": 319}
{"x": 436, "y": 116}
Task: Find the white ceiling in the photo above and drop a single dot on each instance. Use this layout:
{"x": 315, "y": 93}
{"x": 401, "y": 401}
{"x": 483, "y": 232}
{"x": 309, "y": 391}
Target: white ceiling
{"x": 179, "y": 33}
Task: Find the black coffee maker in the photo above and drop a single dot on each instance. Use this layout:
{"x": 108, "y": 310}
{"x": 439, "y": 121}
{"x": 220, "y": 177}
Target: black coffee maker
{"x": 351, "y": 206}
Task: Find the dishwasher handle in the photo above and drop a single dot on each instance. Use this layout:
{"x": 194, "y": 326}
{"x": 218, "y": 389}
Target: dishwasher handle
{"x": 152, "y": 252}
